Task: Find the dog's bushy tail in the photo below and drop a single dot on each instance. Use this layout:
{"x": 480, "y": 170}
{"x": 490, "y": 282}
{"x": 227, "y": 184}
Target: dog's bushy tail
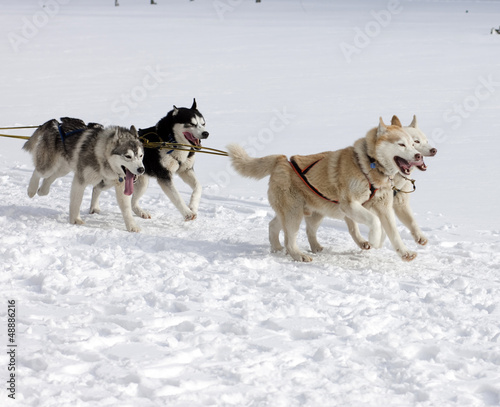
{"x": 30, "y": 144}
{"x": 249, "y": 166}
{"x": 40, "y": 134}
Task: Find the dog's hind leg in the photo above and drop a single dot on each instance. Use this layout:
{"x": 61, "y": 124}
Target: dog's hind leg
{"x": 274, "y": 234}
{"x": 48, "y": 181}
{"x": 312, "y": 225}
{"x": 140, "y": 186}
{"x": 33, "y": 185}
{"x": 356, "y": 235}
{"x": 291, "y": 224}
{"x": 94, "y": 203}
{"x": 124, "y": 202}
{"x": 169, "y": 188}
{"x": 189, "y": 177}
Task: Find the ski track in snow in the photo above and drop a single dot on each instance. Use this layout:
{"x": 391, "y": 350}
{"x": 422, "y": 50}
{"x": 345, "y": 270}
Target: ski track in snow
{"x": 188, "y": 314}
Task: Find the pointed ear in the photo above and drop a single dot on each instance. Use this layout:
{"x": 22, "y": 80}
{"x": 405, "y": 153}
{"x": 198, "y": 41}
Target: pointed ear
{"x": 175, "y": 110}
{"x": 395, "y": 121}
{"x": 414, "y": 122}
{"x": 382, "y": 128}
{"x": 194, "y": 104}
{"x": 133, "y": 130}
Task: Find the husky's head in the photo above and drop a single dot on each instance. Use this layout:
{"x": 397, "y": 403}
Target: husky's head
{"x": 187, "y": 125}
{"x": 126, "y": 156}
{"x": 394, "y": 149}
{"x": 419, "y": 139}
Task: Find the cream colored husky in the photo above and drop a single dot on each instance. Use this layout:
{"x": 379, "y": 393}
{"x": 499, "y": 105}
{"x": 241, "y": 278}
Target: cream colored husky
{"x": 403, "y": 186}
{"x": 355, "y": 184}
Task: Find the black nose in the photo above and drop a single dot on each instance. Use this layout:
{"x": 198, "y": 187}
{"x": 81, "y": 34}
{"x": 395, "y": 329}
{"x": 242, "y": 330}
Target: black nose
{"x": 418, "y": 157}
{"x": 205, "y": 134}
{"x": 140, "y": 170}
{"x": 433, "y": 151}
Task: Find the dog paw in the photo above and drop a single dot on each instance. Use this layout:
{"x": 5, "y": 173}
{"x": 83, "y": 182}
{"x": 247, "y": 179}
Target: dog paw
{"x": 141, "y": 213}
{"x": 305, "y": 258}
{"x": 301, "y": 257}
{"x": 133, "y": 228}
{"x": 365, "y": 246}
{"x": 96, "y": 210}
{"x": 421, "y": 240}
{"x": 317, "y": 248}
{"x": 31, "y": 193}
{"x": 43, "y": 191}
{"x": 190, "y": 216}
{"x": 77, "y": 221}
{"x": 276, "y": 249}
{"x": 408, "y": 256}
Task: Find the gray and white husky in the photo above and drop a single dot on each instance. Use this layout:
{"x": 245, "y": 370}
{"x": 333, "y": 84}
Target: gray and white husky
{"x": 181, "y": 125}
{"x": 98, "y": 156}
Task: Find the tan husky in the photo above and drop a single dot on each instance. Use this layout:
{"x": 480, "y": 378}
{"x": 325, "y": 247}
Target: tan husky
{"x": 355, "y": 184}
{"x": 403, "y": 187}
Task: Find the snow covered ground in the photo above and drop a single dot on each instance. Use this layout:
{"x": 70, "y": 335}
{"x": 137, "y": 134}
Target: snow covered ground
{"x": 201, "y": 313}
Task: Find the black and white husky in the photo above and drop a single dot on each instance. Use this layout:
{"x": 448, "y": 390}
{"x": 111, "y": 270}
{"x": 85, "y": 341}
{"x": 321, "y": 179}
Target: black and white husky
{"x": 181, "y": 125}
{"x": 102, "y": 157}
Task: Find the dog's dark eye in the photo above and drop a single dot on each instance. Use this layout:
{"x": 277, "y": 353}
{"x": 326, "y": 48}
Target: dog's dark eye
{"x": 417, "y": 141}
{"x": 128, "y": 156}
{"x": 402, "y": 144}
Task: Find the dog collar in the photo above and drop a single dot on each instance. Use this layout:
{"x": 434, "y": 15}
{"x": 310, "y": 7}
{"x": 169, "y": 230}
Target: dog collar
{"x": 373, "y": 162}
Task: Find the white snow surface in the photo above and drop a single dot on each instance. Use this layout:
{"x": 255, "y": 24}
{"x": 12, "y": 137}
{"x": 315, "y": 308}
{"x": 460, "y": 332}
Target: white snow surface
{"x": 188, "y": 314}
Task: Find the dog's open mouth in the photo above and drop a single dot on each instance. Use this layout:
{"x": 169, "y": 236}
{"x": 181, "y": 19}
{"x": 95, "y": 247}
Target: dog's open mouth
{"x": 421, "y": 167}
{"x": 403, "y": 165}
{"x": 192, "y": 139}
{"x": 129, "y": 181}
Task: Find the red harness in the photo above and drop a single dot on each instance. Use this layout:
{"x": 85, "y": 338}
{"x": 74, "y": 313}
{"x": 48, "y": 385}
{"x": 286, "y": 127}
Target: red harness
{"x": 302, "y": 176}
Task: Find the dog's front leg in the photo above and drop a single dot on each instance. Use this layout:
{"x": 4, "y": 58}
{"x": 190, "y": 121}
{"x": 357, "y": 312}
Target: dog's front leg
{"x": 358, "y": 213}
{"x": 405, "y": 215}
{"x": 125, "y": 204}
{"x": 388, "y": 220}
{"x": 140, "y": 187}
{"x": 169, "y": 189}
{"x": 356, "y": 234}
{"x": 189, "y": 177}
{"x": 75, "y": 201}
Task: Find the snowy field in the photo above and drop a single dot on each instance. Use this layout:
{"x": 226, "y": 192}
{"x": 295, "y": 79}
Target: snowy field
{"x": 201, "y": 313}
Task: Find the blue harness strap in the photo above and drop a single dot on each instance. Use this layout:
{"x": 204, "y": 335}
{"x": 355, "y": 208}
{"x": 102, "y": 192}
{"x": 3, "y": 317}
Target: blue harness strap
{"x": 64, "y": 135}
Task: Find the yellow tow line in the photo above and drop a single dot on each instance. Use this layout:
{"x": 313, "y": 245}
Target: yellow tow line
{"x": 147, "y": 143}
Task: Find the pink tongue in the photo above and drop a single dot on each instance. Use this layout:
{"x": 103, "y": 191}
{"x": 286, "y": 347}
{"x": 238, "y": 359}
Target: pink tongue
{"x": 191, "y": 138}
{"x": 129, "y": 183}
